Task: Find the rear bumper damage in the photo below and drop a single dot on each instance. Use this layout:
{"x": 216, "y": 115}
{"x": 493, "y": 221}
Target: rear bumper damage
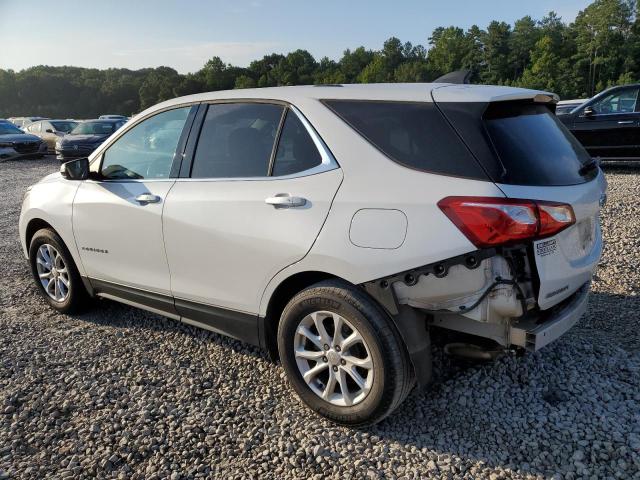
{"x": 533, "y": 334}
{"x": 488, "y": 293}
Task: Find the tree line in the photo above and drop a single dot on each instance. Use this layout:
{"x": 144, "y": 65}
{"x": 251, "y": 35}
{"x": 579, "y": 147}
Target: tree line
{"x": 599, "y": 49}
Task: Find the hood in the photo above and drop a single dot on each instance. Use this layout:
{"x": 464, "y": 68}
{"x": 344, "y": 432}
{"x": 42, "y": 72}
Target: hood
{"x": 52, "y": 177}
{"x": 19, "y": 137}
{"x": 91, "y": 138}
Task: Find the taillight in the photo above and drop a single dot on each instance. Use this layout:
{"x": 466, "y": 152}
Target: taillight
{"x": 491, "y": 221}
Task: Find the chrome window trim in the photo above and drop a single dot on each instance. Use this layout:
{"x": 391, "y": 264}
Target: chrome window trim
{"x": 328, "y": 160}
{"x": 327, "y": 164}
{"x": 600, "y": 115}
{"x": 97, "y": 153}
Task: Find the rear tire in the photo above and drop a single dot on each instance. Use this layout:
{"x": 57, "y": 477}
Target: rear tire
{"x": 357, "y": 385}
{"x": 55, "y": 273}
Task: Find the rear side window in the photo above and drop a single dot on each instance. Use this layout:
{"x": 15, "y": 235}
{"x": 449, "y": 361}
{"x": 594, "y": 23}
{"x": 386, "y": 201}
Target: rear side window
{"x": 621, "y": 101}
{"x": 296, "y": 150}
{"x": 415, "y": 135}
{"x": 534, "y": 147}
{"x": 236, "y": 140}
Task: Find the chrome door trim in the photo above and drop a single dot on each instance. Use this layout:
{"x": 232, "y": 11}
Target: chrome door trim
{"x": 328, "y": 161}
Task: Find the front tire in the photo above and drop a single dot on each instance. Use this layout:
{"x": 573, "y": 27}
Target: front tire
{"x": 55, "y": 272}
{"x": 342, "y": 354}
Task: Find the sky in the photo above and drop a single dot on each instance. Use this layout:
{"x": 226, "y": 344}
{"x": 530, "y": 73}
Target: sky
{"x": 184, "y": 34}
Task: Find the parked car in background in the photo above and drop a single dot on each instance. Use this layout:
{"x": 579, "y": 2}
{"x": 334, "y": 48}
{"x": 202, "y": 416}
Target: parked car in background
{"x": 51, "y": 130}
{"x": 331, "y": 226}
{"x": 24, "y": 121}
{"x": 85, "y": 138}
{"x": 608, "y": 125}
{"x": 14, "y": 143}
{"x": 112, "y": 117}
{"x": 565, "y": 106}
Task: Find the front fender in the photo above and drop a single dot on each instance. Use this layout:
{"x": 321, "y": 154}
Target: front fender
{"x": 51, "y": 202}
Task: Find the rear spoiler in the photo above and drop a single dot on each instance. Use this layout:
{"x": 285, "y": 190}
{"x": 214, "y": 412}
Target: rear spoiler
{"x": 463, "y": 77}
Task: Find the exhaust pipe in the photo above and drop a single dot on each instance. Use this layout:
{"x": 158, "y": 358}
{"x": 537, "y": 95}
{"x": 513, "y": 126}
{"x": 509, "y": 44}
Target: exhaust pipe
{"x": 471, "y": 351}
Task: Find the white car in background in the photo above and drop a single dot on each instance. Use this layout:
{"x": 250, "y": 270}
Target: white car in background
{"x": 334, "y": 226}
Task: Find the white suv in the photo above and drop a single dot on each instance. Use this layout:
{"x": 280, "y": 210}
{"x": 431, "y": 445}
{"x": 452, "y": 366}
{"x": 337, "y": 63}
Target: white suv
{"x": 334, "y": 226}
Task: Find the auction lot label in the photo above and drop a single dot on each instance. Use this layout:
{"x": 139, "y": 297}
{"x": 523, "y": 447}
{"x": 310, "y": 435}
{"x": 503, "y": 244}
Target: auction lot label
{"x": 546, "y": 247}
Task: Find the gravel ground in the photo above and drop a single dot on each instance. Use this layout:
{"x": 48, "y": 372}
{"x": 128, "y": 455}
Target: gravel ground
{"x": 121, "y": 393}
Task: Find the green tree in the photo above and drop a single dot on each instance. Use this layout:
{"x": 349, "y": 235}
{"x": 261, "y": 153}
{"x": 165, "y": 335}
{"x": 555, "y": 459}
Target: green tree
{"x": 496, "y": 43}
{"x": 158, "y": 86}
{"x": 523, "y": 39}
{"x": 329, "y": 72}
{"x": 450, "y": 50}
{"x": 352, "y": 63}
{"x": 262, "y": 70}
{"x": 244, "y": 81}
{"x": 601, "y": 32}
{"x": 376, "y": 71}
{"x": 297, "y": 68}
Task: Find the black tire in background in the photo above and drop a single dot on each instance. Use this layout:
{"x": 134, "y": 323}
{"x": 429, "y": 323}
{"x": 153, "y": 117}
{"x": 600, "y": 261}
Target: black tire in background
{"x": 78, "y": 298}
{"x": 392, "y": 371}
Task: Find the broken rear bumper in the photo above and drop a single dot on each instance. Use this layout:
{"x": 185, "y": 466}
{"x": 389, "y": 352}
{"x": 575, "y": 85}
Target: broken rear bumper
{"x": 534, "y": 333}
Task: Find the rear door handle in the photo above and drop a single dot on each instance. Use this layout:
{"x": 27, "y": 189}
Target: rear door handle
{"x": 284, "y": 200}
{"x": 145, "y": 198}
{"x": 625, "y": 122}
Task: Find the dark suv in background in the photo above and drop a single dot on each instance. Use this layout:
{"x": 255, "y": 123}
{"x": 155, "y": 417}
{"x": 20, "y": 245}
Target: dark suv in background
{"x": 85, "y": 138}
{"x": 608, "y": 125}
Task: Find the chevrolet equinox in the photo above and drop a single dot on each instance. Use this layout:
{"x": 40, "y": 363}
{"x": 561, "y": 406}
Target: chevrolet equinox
{"x": 335, "y": 226}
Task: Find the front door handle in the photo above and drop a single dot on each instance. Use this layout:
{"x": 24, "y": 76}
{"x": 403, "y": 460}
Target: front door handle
{"x": 625, "y": 122}
{"x": 284, "y": 200}
{"x": 145, "y": 198}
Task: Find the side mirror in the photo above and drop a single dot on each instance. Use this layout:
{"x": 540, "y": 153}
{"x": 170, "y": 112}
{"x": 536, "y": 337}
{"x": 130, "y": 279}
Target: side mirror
{"x": 75, "y": 169}
{"x": 48, "y": 130}
{"x": 588, "y": 111}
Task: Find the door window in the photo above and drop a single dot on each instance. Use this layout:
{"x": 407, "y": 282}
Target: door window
{"x": 618, "y": 102}
{"x": 296, "y": 150}
{"x": 236, "y": 140}
{"x": 34, "y": 127}
{"x": 147, "y": 150}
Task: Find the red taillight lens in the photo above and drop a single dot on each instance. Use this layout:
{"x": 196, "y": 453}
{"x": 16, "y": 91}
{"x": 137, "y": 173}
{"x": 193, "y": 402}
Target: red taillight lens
{"x": 490, "y": 221}
{"x": 554, "y": 217}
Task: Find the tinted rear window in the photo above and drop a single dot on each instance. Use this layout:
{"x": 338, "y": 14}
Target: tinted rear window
{"x": 236, "y": 140}
{"x": 415, "y": 135}
{"x": 534, "y": 147}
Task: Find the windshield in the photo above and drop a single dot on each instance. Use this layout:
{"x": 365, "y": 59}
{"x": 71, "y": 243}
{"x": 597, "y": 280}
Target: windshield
{"x": 95, "y": 128}
{"x": 64, "y": 126}
{"x": 9, "y": 129}
{"x": 534, "y": 147}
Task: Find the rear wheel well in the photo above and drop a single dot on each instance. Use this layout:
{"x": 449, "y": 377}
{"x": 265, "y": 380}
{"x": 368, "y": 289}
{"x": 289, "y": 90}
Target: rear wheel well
{"x": 279, "y": 299}
{"x": 33, "y": 226}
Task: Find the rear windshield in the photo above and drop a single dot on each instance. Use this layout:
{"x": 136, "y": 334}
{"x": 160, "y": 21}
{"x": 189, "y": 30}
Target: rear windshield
{"x": 413, "y": 134}
{"x": 534, "y": 146}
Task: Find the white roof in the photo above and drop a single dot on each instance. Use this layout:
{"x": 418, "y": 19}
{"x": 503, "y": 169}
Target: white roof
{"x": 443, "y": 92}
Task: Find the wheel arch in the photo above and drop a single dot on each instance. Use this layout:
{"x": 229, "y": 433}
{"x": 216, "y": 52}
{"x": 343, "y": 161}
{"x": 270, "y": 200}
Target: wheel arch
{"x": 409, "y": 323}
{"x": 281, "y": 295}
{"x": 33, "y": 226}
{"x": 37, "y": 223}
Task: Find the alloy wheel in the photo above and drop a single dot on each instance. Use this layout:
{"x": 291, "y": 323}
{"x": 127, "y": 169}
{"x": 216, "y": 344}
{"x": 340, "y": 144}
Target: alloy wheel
{"x": 53, "y": 272}
{"x": 333, "y": 358}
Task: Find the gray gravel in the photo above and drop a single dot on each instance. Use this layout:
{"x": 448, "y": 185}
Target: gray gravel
{"x": 121, "y": 393}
